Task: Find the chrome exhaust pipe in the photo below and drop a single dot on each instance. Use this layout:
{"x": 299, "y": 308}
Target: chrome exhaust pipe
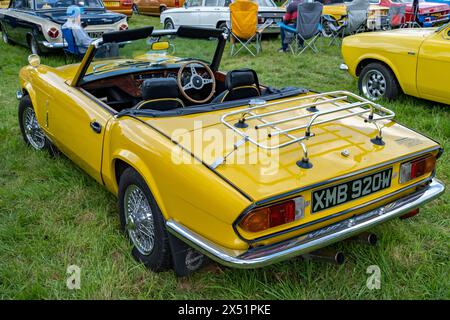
{"x": 326, "y": 255}
{"x": 366, "y": 238}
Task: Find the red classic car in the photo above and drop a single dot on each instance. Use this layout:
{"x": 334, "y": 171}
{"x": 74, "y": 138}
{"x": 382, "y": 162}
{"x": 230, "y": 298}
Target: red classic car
{"x": 429, "y": 14}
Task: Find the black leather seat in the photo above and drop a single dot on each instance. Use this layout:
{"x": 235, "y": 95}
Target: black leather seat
{"x": 239, "y": 84}
{"x": 160, "y": 94}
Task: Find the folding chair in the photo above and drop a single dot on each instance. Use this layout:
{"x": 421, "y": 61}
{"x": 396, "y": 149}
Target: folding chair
{"x": 355, "y": 21}
{"x": 414, "y": 23}
{"x": 72, "y": 48}
{"x": 396, "y": 16}
{"x": 308, "y": 27}
{"x": 244, "y": 27}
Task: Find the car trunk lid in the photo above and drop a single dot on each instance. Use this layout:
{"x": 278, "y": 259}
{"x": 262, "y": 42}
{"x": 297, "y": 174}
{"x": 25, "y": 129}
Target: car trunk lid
{"x": 339, "y": 148}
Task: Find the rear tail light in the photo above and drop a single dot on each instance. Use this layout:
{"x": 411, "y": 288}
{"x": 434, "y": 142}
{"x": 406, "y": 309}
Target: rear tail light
{"x": 123, "y": 27}
{"x": 416, "y": 168}
{"x": 128, "y": 2}
{"x": 260, "y": 20}
{"x": 53, "y": 32}
{"x": 260, "y": 219}
{"x": 177, "y": 3}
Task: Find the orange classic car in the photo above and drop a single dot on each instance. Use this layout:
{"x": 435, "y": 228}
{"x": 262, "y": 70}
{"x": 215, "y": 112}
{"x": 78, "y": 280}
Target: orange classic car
{"x": 155, "y": 7}
{"x": 120, "y": 6}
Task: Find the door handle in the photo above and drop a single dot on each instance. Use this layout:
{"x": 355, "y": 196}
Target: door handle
{"x": 97, "y": 127}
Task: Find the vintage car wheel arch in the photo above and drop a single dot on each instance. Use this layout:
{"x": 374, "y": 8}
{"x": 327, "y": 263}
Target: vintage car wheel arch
{"x": 364, "y": 61}
{"x": 28, "y": 90}
{"x": 125, "y": 159}
{"x": 168, "y": 20}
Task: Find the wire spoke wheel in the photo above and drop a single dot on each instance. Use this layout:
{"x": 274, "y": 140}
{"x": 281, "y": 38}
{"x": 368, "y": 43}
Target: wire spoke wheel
{"x": 33, "y": 132}
{"x": 139, "y": 220}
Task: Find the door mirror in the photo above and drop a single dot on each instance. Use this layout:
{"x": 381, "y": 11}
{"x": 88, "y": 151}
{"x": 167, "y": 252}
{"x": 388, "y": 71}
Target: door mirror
{"x": 160, "y": 46}
{"x": 186, "y": 5}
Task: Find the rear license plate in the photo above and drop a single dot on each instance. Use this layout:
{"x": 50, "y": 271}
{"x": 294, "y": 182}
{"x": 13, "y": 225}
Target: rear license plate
{"x": 112, "y": 3}
{"x": 351, "y": 190}
{"x": 95, "y": 35}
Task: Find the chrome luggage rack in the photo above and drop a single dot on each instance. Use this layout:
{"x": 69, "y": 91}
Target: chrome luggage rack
{"x": 343, "y": 101}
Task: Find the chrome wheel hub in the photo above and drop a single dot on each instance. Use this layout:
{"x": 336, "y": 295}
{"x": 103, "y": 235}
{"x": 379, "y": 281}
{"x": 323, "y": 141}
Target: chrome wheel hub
{"x": 139, "y": 220}
{"x": 33, "y": 132}
{"x": 374, "y": 85}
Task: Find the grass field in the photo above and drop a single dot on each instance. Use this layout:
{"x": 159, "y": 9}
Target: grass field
{"x": 52, "y": 215}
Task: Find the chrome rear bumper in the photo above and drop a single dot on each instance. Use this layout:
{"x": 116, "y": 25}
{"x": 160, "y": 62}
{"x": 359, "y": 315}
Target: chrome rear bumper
{"x": 54, "y": 45}
{"x": 265, "y": 255}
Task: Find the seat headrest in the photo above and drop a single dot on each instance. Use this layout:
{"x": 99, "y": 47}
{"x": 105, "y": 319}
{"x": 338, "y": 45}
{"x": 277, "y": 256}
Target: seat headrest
{"x": 241, "y": 77}
{"x": 159, "y": 88}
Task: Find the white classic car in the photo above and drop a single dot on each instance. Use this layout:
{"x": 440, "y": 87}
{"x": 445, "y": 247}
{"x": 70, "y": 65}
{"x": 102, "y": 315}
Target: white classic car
{"x": 216, "y": 14}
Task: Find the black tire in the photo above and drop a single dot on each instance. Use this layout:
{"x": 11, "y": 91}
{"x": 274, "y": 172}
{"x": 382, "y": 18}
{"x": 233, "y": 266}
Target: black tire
{"x": 222, "y": 25}
{"x": 168, "y": 24}
{"x": 34, "y": 46}
{"x": 135, "y": 8}
{"x": 159, "y": 259}
{"x": 5, "y": 37}
{"x": 26, "y": 108}
{"x": 384, "y": 86}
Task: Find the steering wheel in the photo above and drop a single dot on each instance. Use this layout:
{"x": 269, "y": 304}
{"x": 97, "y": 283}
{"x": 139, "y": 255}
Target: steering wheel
{"x": 196, "y": 81}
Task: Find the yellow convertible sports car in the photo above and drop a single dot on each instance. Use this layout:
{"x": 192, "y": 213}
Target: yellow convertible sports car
{"x": 206, "y": 163}
{"x": 413, "y": 61}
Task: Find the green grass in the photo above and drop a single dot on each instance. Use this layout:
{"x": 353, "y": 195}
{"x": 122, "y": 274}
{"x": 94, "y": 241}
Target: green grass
{"x": 53, "y": 215}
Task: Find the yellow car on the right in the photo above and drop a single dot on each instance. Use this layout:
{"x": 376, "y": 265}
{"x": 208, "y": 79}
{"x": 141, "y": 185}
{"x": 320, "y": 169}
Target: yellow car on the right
{"x": 415, "y": 62}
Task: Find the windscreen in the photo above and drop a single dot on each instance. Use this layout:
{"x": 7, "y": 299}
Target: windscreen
{"x": 51, "y": 4}
{"x": 151, "y": 52}
{"x": 266, "y": 3}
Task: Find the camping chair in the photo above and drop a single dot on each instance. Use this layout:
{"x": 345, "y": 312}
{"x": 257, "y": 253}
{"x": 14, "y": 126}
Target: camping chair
{"x": 244, "y": 30}
{"x": 308, "y": 27}
{"x": 414, "y": 22}
{"x": 72, "y": 48}
{"x": 356, "y": 20}
{"x": 396, "y": 16}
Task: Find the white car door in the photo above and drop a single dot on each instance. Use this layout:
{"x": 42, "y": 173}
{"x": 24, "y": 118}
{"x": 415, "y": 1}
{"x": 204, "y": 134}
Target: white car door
{"x": 214, "y": 13}
{"x": 190, "y": 16}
